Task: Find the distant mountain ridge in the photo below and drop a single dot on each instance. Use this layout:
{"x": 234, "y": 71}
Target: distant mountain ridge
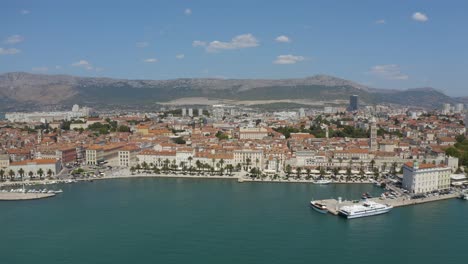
{"x": 40, "y": 89}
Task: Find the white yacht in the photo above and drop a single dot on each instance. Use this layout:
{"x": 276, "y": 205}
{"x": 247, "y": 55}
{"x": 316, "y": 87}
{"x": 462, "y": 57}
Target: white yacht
{"x": 323, "y": 181}
{"x": 367, "y": 208}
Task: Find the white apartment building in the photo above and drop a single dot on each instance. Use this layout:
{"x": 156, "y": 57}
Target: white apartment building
{"x": 127, "y": 156}
{"x": 253, "y": 133}
{"x": 156, "y": 157}
{"x": 255, "y": 156}
{"x": 33, "y": 166}
{"x": 422, "y": 178}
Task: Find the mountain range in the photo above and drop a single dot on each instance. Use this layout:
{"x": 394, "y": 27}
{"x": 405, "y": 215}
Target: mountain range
{"x": 20, "y": 90}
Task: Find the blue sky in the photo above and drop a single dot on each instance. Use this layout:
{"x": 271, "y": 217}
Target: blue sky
{"x": 385, "y": 44}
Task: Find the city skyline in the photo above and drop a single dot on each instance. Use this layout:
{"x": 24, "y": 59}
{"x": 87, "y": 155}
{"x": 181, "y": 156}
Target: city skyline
{"x": 381, "y": 45}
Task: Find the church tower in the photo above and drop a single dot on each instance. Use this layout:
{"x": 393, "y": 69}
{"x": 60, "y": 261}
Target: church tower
{"x": 373, "y": 136}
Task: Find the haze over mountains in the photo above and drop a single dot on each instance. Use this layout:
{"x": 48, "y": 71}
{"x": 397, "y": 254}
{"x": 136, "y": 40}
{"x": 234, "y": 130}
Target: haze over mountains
{"x": 19, "y": 88}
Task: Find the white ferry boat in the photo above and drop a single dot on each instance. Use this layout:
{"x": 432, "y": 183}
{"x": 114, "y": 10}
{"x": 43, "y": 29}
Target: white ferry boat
{"x": 367, "y": 208}
{"x": 323, "y": 181}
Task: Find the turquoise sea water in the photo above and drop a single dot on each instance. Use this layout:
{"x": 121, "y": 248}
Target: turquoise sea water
{"x": 222, "y": 221}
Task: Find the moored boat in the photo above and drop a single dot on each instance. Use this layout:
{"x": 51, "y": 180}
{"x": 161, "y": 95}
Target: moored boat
{"x": 367, "y": 208}
{"x": 323, "y": 181}
{"x": 319, "y": 207}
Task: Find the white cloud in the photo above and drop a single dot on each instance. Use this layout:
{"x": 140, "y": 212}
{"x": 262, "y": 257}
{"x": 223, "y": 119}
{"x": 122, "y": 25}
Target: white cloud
{"x": 58, "y": 67}
{"x": 180, "y": 56}
{"x": 420, "y": 17}
{"x": 238, "y": 42}
{"x": 381, "y": 21}
{"x": 283, "y": 39}
{"x": 40, "y": 69}
{"x": 188, "y": 11}
{"x": 150, "y": 60}
{"x": 14, "y": 39}
{"x": 389, "y": 72}
{"x": 25, "y": 12}
{"x": 10, "y": 51}
{"x": 83, "y": 64}
{"x": 198, "y": 43}
{"x": 142, "y": 44}
{"x": 288, "y": 59}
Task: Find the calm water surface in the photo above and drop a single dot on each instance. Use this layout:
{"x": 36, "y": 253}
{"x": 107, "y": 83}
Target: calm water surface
{"x": 222, "y": 221}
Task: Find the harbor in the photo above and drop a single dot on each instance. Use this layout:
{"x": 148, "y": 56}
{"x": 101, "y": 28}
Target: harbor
{"x": 334, "y": 205}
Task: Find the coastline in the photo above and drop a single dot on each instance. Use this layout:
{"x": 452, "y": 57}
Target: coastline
{"x": 126, "y": 174}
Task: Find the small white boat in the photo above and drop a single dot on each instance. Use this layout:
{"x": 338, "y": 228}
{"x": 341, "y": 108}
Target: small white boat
{"x": 59, "y": 191}
{"x": 319, "y": 207}
{"x": 323, "y": 181}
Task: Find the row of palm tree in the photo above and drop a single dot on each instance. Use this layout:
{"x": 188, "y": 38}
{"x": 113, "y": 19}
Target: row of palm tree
{"x": 22, "y": 173}
{"x": 200, "y": 167}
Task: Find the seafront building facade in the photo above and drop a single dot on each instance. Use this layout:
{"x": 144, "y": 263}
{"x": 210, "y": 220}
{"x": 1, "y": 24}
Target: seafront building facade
{"x": 46, "y": 165}
{"x": 423, "y": 178}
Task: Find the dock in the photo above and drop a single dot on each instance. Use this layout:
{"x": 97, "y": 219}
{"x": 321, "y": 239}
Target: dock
{"x": 334, "y": 206}
{"x": 12, "y": 196}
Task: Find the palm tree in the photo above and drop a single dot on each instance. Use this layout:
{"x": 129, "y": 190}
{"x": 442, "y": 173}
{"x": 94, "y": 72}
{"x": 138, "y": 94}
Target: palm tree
{"x": 348, "y": 173}
{"x": 40, "y": 172}
{"x": 132, "y": 169}
{"x": 30, "y": 173}
{"x": 322, "y": 172}
{"x": 308, "y": 170}
{"x": 50, "y": 173}
{"x": 247, "y": 162}
{"x": 166, "y": 165}
{"x": 138, "y": 167}
{"x": 230, "y": 168}
{"x": 190, "y": 161}
{"x": 394, "y": 165}
{"x": 372, "y": 163}
{"x": 199, "y": 165}
{"x": 221, "y": 162}
{"x": 11, "y": 173}
{"x": 159, "y": 162}
{"x": 21, "y": 173}
{"x": 238, "y": 167}
{"x": 145, "y": 165}
{"x": 361, "y": 173}
{"x": 376, "y": 173}
{"x": 2, "y": 173}
{"x": 288, "y": 170}
{"x": 298, "y": 172}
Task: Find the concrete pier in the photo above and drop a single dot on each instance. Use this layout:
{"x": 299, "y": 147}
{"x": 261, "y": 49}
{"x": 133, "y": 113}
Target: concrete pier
{"x": 333, "y": 205}
{"x": 11, "y": 196}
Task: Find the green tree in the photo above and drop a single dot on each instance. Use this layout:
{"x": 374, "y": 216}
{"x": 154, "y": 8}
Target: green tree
{"x": 288, "y": 170}
{"x": 2, "y": 173}
{"x": 50, "y": 173}
{"x": 40, "y": 172}
{"x": 11, "y": 173}
{"x": 21, "y": 173}
{"x": 298, "y": 172}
